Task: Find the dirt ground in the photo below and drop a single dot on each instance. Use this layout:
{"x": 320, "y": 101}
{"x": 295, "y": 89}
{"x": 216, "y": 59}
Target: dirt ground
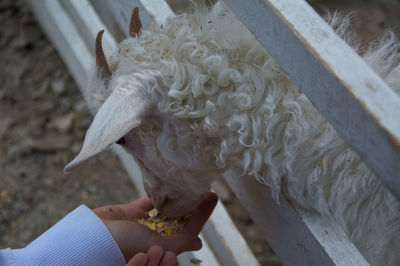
{"x": 43, "y": 119}
{"x": 42, "y": 122}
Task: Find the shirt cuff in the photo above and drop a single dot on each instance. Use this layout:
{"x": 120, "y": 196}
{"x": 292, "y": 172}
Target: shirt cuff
{"x": 7, "y": 257}
{"x": 80, "y": 238}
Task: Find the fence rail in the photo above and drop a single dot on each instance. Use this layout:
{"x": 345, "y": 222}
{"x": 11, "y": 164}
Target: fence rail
{"x": 345, "y": 90}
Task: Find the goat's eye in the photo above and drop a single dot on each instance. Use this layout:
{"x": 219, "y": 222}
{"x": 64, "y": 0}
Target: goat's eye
{"x": 121, "y": 141}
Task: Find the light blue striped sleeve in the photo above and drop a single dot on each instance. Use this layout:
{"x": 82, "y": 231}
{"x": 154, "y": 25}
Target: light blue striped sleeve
{"x": 80, "y": 238}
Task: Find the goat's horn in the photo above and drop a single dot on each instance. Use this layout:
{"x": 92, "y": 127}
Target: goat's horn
{"x": 101, "y": 61}
{"x": 135, "y": 25}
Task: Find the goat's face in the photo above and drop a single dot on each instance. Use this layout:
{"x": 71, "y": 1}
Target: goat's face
{"x": 173, "y": 182}
{"x": 174, "y": 163}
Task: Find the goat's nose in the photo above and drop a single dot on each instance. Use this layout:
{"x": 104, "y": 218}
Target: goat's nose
{"x": 159, "y": 201}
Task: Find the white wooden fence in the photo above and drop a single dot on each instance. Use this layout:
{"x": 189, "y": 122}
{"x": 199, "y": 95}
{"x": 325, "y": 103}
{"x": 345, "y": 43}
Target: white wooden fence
{"x": 305, "y": 46}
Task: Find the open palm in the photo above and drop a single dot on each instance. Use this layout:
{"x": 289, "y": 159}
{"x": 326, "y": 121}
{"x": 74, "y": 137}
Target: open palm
{"x": 133, "y": 238}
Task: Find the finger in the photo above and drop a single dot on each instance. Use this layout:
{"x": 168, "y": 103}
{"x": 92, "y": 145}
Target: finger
{"x": 169, "y": 259}
{"x": 155, "y": 255}
{"x": 110, "y": 212}
{"x": 137, "y": 208}
{"x": 200, "y": 214}
{"x": 139, "y": 259}
{"x": 180, "y": 243}
{"x": 133, "y": 238}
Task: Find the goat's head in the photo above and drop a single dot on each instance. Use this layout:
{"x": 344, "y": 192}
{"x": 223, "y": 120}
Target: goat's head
{"x": 131, "y": 117}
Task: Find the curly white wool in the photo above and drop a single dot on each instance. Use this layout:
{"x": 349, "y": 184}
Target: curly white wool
{"x": 226, "y": 105}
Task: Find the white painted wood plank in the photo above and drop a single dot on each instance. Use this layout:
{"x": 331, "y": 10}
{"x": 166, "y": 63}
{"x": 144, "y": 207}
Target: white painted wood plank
{"x": 158, "y": 9}
{"x": 298, "y": 238}
{"x": 352, "y": 97}
{"x": 66, "y": 39}
{"x": 88, "y": 25}
{"x": 205, "y": 255}
{"x": 226, "y": 241}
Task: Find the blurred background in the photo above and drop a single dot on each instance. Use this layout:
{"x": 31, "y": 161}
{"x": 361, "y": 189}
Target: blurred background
{"x": 43, "y": 119}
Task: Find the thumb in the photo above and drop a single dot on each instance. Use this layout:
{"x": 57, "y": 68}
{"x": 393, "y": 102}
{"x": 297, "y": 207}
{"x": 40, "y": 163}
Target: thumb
{"x": 180, "y": 243}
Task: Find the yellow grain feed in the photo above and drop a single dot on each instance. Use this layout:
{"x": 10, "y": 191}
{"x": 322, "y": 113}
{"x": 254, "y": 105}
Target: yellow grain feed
{"x": 161, "y": 224}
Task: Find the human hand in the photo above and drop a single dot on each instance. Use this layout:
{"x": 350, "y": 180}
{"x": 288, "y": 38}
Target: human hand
{"x": 155, "y": 256}
{"x": 133, "y": 238}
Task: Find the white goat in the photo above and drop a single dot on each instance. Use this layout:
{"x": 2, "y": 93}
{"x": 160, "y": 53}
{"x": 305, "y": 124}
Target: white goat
{"x": 200, "y": 97}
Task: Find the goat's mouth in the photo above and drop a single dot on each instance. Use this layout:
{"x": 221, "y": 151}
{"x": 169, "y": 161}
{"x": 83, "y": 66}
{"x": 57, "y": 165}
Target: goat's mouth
{"x": 172, "y": 212}
{"x": 174, "y": 207}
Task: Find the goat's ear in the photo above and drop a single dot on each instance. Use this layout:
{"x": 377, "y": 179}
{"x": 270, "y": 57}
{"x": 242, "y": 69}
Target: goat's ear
{"x": 119, "y": 114}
